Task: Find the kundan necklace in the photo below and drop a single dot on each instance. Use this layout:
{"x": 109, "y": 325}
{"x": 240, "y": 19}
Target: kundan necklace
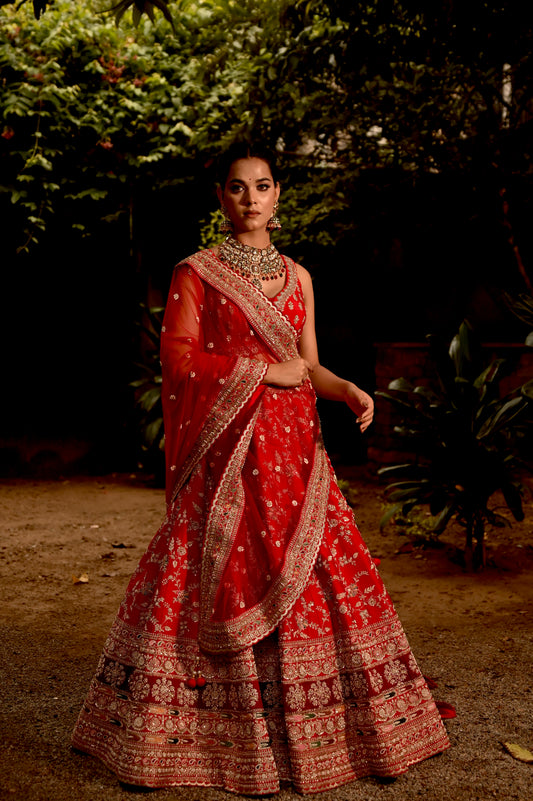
{"x": 255, "y": 264}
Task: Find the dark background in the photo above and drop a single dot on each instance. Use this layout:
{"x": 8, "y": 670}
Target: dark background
{"x": 421, "y": 257}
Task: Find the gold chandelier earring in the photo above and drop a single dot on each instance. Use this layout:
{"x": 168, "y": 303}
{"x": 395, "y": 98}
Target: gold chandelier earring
{"x": 274, "y": 223}
{"x": 226, "y": 226}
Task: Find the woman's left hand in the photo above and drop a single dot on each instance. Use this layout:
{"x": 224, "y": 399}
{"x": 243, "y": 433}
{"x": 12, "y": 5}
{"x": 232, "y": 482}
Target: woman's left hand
{"x": 362, "y": 404}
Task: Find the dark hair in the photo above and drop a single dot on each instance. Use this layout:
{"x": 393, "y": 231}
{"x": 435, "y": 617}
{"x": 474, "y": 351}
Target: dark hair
{"x": 245, "y": 150}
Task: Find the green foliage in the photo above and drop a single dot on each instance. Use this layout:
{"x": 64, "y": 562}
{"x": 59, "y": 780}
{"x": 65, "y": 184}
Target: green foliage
{"x": 140, "y": 7}
{"x": 94, "y": 115}
{"x": 466, "y": 438}
{"x": 418, "y": 525}
{"x": 148, "y": 391}
{"x": 97, "y": 120}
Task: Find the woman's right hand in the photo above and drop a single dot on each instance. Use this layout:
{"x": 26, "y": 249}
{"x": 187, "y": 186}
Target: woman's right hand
{"x": 288, "y": 374}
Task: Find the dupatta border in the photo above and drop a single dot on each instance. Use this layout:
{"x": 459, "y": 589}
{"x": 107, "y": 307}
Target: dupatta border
{"x": 290, "y": 285}
{"x": 258, "y": 622}
{"x": 238, "y": 388}
{"x": 261, "y": 312}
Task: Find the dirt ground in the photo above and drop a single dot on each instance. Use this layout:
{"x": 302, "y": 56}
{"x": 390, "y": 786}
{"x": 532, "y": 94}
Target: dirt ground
{"x": 473, "y": 633}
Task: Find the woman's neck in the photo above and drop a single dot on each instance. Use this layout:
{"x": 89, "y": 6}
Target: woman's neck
{"x": 255, "y": 239}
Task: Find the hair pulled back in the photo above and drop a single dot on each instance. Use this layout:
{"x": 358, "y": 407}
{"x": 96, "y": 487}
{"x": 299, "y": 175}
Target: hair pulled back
{"x": 245, "y": 150}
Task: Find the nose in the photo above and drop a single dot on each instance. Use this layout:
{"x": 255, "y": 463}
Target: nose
{"x": 251, "y": 197}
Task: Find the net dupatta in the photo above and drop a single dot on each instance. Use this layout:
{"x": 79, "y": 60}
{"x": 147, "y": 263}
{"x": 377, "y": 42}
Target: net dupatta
{"x": 202, "y": 391}
{"x": 217, "y": 398}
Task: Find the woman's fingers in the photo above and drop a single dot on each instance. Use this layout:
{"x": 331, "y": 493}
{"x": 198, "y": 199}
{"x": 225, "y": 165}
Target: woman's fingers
{"x": 364, "y": 417}
{"x": 292, "y": 373}
{"x": 306, "y": 368}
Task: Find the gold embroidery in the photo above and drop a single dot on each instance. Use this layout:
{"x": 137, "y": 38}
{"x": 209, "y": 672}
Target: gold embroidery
{"x": 237, "y": 390}
{"x": 260, "y": 620}
{"x": 263, "y": 315}
{"x": 290, "y": 283}
{"x": 319, "y": 741}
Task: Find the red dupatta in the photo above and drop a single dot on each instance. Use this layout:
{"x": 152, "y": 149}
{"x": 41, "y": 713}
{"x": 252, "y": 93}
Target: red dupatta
{"x": 212, "y": 393}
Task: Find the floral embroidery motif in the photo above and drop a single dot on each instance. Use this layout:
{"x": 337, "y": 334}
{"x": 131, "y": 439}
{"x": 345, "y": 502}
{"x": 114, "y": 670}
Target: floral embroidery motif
{"x": 214, "y": 696}
{"x": 139, "y": 686}
{"x": 395, "y": 672}
{"x": 346, "y": 686}
{"x": 163, "y": 691}
{"x": 376, "y": 680}
{"x": 296, "y": 697}
{"x": 248, "y": 696}
{"x": 272, "y": 694}
{"x": 185, "y": 696}
{"x": 358, "y": 685}
{"x": 336, "y": 689}
{"x": 115, "y": 674}
{"x": 319, "y": 693}
{"x": 233, "y": 697}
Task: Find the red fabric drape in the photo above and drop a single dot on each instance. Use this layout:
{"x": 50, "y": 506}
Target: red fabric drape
{"x": 198, "y": 378}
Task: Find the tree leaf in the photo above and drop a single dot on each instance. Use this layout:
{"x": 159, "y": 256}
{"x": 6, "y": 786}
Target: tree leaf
{"x": 527, "y": 388}
{"x": 83, "y": 579}
{"x": 444, "y": 518}
{"x": 490, "y": 374}
{"x": 152, "y": 430}
{"x": 519, "y": 752}
{"x": 426, "y": 393}
{"x": 148, "y": 399}
{"x": 513, "y": 499}
{"x": 389, "y": 514}
{"x": 401, "y": 385}
{"x": 415, "y": 493}
{"x": 408, "y": 471}
{"x": 506, "y": 412}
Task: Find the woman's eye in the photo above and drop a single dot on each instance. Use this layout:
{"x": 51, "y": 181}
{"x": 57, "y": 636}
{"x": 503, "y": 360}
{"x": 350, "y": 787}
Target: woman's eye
{"x": 235, "y": 188}
{"x": 264, "y": 187}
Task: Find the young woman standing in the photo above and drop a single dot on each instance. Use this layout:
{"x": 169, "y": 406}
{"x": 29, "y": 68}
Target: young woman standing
{"x": 256, "y": 642}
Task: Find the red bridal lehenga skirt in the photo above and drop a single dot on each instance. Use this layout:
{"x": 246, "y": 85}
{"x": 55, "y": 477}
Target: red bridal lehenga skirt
{"x": 331, "y": 695}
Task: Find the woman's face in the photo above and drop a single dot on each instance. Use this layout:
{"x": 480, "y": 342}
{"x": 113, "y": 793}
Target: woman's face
{"x": 249, "y": 195}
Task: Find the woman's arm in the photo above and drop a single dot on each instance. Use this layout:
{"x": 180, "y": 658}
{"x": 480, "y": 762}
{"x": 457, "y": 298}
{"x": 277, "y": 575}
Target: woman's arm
{"x": 327, "y": 384}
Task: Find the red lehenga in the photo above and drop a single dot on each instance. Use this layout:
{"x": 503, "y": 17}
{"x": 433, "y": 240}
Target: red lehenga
{"x": 258, "y": 580}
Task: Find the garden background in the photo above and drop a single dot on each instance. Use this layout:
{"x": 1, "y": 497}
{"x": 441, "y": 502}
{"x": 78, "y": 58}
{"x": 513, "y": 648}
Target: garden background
{"x": 404, "y": 133}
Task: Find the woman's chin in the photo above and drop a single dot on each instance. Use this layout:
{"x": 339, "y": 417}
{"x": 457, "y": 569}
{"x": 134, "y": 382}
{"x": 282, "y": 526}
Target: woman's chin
{"x": 249, "y": 227}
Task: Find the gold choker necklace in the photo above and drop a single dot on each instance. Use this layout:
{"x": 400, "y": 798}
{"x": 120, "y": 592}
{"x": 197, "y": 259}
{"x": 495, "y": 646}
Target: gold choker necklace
{"x": 255, "y": 264}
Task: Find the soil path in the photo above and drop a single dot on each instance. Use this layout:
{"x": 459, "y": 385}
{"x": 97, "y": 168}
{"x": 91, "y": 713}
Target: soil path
{"x": 472, "y": 633}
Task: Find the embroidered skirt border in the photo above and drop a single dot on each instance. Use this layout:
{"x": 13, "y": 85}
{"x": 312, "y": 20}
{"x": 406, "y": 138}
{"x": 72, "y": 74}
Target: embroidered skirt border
{"x": 268, "y": 714}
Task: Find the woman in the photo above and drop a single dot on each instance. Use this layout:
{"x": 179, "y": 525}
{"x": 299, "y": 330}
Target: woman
{"x": 256, "y": 643}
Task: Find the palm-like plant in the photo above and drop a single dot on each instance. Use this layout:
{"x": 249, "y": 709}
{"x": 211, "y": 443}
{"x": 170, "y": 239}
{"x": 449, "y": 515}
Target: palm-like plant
{"x": 467, "y": 441}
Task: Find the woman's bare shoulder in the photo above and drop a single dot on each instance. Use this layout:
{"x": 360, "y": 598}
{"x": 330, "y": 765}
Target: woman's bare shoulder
{"x": 304, "y": 276}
